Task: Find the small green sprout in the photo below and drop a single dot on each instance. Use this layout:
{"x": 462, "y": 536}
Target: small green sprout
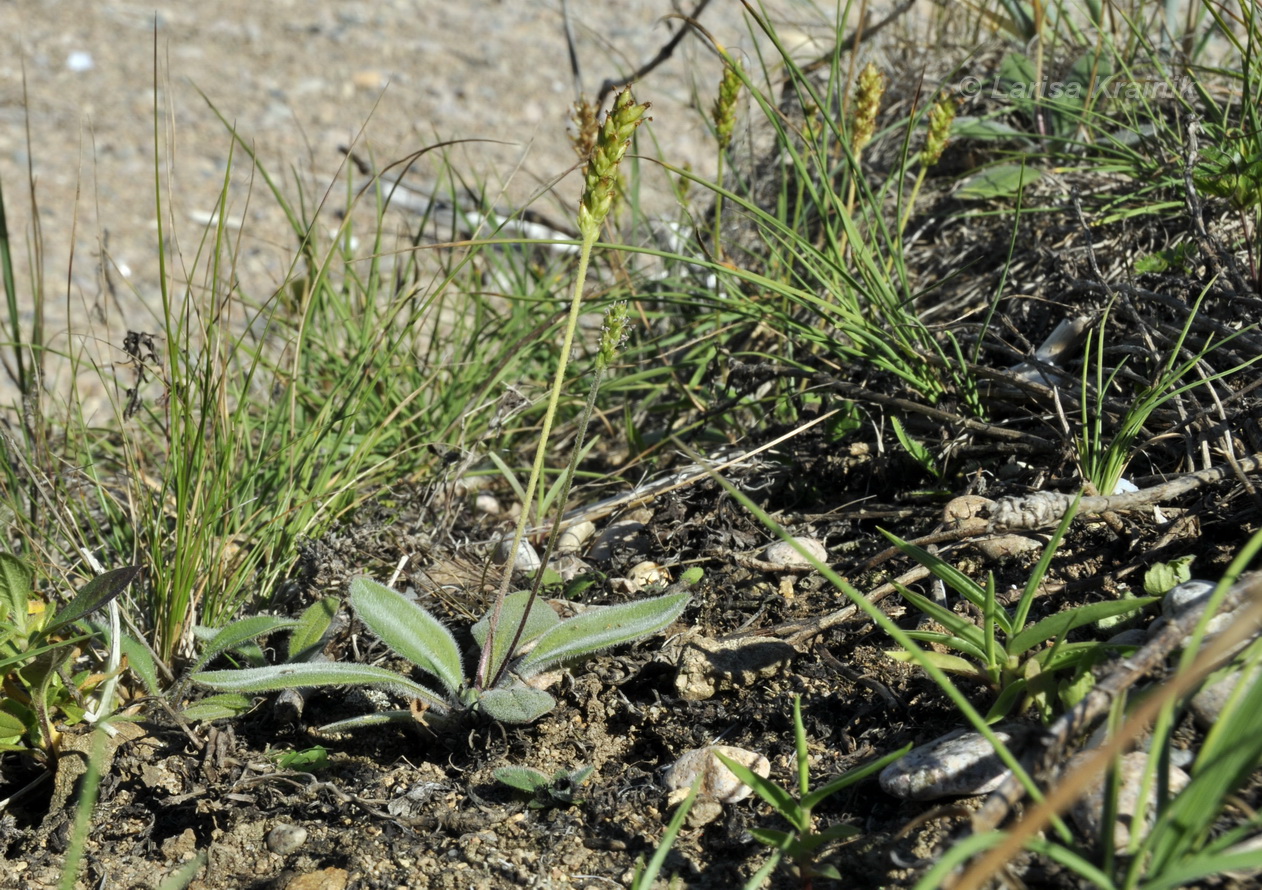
{"x": 1002, "y": 650}
{"x": 557, "y": 790}
{"x": 802, "y": 843}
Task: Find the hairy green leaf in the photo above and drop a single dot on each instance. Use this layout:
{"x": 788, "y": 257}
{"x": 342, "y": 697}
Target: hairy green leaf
{"x": 239, "y": 632}
{"x": 600, "y": 628}
{"x": 95, "y": 594}
{"x": 218, "y": 707}
{"x": 515, "y": 703}
{"x": 409, "y": 630}
{"x": 313, "y": 624}
{"x": 542, "y": 619}
{"x": 523, "y": 778}
{"x": 274, "y": 678}
{"x": 16, "y": 582}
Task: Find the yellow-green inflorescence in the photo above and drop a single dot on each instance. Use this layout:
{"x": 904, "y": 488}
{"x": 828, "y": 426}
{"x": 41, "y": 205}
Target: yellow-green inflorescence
{"x": 941, "y": 116}
{"x": 600, "y": 176}
{"x": 867, "y": 102}
{"x": 724, "y": 111}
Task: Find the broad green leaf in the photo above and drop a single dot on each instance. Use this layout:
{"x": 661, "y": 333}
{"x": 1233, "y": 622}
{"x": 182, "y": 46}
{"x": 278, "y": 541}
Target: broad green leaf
{"x": 600, "y": 628}
{"x": 1165, "y": 576}
{"x": 95, "y": 594}
{"x": 218, "y": 707}
{"x": 140, "y": 661}
{"x": 312, "y": 626}
{"x": 542, "y": 619}
{"x": 274, "y": 678}
{"x": 409, "y": 630}
{"x": 1063, "y": 622}
{"x": 523, "y": 778}
{"x": 308, "y": 760}
{"x": 515, "y": 703}
{"x": 239, "y": 632}
{"x": 1000, "y": 181}
{"x": 16, "y": 582}
{"x": 10, "y": 726}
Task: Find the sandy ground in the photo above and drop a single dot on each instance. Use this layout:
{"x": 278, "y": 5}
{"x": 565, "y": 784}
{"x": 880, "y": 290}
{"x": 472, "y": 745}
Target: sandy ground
{"x": 298, "y": 80}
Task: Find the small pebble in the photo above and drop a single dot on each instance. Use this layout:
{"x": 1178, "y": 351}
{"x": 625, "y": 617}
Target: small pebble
{"x": 647, "y": 574}
{"x": 1188, "y": 595}
{"x": 1207, "y": 705}
{"x": 527, "y": 559}
{"x": 486, "y": 503}
{"x": 960, "y": 764}
{"x": 782, "y": 553}
{"x": 718, "y": 783}
{"x": 574, "y": 537}
{"x": 1088, "y": 812}
{"x": 284, "y": 838}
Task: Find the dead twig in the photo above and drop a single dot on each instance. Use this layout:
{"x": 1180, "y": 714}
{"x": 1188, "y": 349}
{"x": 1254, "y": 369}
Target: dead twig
{"x": 1046, "y": 508}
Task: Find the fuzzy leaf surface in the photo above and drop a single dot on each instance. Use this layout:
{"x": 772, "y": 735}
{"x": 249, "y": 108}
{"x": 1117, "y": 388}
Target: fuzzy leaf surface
{"x": 600, "y": 628}
{"x": 15, "y": 590}
{"x": 541, "y": 620}
{"x": 95, "y": 594}
{"x": 409, "y": 630}
{"x": 515, "y": 703}
{"x": 313, "y": 624}
{"x": 274, "y": 678}
{"x": 239, "y": 632}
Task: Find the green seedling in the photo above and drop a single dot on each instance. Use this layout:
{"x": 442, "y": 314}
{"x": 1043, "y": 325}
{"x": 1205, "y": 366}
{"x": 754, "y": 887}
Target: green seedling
{"x": 308, "y": 760}
{"x": 1103, "y": 458}
{"x": 557, "y": 790}
{"x": 544, "y": 642}
{"x": 40, "y": 645}
{"x": 801, "y": 844}
{"x": 1002, "y": 651}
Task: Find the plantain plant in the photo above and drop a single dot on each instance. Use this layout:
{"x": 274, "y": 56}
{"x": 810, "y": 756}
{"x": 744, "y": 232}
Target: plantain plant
{"x": 545, "y": 642}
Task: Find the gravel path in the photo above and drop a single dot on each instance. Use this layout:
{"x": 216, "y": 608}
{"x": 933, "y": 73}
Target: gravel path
{"x": 298, "y": 79}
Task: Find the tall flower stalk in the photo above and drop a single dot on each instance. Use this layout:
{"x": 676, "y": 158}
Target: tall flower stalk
{"x": 599, "y": 190}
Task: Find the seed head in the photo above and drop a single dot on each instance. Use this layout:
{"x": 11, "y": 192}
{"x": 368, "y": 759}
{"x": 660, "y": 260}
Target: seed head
{"x": 613, "y": 333}
{"x": 600, "y": 176}
{"x": 941, "y": 116}
{"x": 724, "y": 111}
{"x": 585, "y": 128}
{"x": 867, "y": 102}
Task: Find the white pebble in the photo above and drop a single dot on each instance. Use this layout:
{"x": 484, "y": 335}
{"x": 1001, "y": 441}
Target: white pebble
{"x": 960, "y": 764}
{"x": 527, "y": 559}
{"x": 1088, "y": 812}
{"x": 782, "y": 553}
{"x": 718, "y": 783}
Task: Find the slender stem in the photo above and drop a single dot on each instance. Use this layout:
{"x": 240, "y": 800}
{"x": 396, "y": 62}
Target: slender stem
{"x": 554, "y": 398}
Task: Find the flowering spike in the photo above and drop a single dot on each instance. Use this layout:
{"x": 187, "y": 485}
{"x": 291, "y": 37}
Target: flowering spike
{"x": 724, "y": 111}
{"x": 867, "y": 102}
{"x": 600, "y": 175}
{"x": 941, "y": 115}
